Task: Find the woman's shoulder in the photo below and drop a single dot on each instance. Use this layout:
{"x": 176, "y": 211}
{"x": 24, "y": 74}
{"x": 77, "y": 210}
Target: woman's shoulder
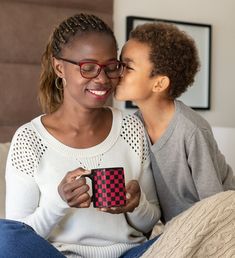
{"x": 133, "y": 134}
{"x": 127, "y": 116}
{"x": 131, "y": 122}
{"x": 27, "y": 133}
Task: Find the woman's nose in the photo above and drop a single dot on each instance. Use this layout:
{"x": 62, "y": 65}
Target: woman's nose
{"x": 102, "y": 76}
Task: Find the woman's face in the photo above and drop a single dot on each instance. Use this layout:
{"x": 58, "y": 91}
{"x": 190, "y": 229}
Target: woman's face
{"x": 136, "y": 83}
{"x": 89, "y": 93}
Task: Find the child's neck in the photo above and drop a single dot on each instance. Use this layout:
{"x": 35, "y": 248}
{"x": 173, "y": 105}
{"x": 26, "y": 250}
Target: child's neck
{"x": 157, "y": 117}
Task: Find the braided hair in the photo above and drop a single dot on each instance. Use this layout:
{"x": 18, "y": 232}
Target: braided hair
{"x": 50, "y": 97}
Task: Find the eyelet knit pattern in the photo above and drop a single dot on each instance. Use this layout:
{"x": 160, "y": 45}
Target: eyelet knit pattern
{"x": 131, "y": 127}
{"x": 27, "y": 151}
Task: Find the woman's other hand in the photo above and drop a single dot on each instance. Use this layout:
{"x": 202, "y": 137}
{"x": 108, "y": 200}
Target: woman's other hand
{"x": 133, "y": 193}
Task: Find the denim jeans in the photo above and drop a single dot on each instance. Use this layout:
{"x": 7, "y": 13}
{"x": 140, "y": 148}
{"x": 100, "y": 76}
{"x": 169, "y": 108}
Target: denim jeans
{"x": 139, "y": 250}
{"x": 18, "y": 240}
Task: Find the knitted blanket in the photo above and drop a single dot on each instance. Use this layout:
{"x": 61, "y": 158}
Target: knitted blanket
{"x": 205, "y": 230}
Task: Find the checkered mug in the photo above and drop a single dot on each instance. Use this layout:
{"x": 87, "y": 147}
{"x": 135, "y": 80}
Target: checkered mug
{"x": 108, "y": 187}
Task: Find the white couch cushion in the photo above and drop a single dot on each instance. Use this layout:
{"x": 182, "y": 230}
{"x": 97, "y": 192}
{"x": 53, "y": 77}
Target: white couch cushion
{"x": 4, "y": 147}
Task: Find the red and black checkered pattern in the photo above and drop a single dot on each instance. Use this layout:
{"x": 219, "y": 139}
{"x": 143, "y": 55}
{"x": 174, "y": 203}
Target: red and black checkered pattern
{"x": 109, "y": 187}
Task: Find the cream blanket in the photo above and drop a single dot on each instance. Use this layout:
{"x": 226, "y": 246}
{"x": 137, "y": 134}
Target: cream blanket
{"x": 205, "y": 230}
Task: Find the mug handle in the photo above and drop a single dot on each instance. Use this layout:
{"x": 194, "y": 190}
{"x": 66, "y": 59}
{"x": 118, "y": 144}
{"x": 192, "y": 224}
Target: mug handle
{"x": 90, "y": 176}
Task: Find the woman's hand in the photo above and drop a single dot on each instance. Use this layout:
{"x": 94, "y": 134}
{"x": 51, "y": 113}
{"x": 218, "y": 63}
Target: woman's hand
{"x": 133, "y": 199}
{"x": 74, "y": 190}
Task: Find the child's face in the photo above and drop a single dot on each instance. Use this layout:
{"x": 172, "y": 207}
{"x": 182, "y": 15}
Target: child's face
{"x": 136, "y": 83}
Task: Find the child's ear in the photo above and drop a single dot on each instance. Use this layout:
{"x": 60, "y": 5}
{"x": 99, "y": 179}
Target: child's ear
{"x": 161, "y": 83}
{"x": 58, "y": 67}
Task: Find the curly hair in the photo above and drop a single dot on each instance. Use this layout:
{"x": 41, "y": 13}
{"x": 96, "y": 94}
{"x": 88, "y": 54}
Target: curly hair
{"x": 173, "y": 54}
{"x": 50, "y": 97}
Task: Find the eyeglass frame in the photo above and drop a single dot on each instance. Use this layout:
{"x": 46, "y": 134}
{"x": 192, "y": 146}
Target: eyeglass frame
{"x": 101, "y": 66}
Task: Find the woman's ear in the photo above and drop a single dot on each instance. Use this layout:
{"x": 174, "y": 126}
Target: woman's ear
{"x": 161, "y": 83}
{"x": 58, "y": 67}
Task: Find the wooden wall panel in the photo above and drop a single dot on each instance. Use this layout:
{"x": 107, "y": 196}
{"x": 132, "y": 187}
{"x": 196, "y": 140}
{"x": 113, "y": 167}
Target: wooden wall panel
{"x": 102, "y": 6}
{"x": 26, "y": 28}
{"x": 19, "y": 84}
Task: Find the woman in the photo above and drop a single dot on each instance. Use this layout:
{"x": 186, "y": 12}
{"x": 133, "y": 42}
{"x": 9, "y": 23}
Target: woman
{"x": 76, "y": 134}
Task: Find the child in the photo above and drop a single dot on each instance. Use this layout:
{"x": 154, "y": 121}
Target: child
{"x": 160, "y": 64}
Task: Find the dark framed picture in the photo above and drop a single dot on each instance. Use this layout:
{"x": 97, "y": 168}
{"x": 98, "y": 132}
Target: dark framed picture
{"x": 197, "y": 96}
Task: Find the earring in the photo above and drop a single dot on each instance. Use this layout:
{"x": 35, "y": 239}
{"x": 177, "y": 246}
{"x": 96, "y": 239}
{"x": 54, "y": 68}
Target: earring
{"x": 64, "y": 82}
{"x": 57, "y": 84}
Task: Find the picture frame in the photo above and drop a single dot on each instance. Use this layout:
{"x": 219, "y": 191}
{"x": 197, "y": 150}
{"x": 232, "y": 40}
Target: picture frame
{"x": 197, "y": 96}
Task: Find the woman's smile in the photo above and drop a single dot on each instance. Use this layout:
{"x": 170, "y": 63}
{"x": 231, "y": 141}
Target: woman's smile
{"x": 100, "y": 93}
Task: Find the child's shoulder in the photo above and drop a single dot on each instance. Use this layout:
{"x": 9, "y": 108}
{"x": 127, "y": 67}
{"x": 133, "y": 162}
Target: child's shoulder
{"x": 191, "y": 117}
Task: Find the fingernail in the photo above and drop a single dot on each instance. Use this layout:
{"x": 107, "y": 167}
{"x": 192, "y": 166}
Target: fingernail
{"x": 128, "y": 195}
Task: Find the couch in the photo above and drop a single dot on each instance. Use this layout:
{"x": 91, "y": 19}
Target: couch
{"x": 4, "y": 147}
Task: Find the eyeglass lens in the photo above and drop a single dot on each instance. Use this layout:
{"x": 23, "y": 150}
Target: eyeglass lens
{"x": 92, "y": 70}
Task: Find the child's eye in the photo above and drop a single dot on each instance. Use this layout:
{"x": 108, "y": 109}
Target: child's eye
{"x": 129, "y": 68}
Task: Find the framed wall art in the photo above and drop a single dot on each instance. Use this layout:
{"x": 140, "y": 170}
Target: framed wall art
{"x": 197, "y": 96}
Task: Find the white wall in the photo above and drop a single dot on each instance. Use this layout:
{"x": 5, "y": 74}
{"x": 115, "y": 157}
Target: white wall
{"x": 225, "y": 138}
{"x": 220, "y": 14}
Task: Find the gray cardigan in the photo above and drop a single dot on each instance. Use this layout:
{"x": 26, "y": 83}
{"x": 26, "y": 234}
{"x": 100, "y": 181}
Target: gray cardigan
{"x": 187, "y": 163}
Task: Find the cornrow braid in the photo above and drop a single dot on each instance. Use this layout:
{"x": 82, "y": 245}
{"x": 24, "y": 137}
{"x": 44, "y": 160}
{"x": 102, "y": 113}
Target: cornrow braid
{"x": 50, "y": 97}
{"x": 76, "y": 25}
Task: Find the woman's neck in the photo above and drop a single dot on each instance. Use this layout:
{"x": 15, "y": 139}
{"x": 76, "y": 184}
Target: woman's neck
{"x": 79, "y": 129}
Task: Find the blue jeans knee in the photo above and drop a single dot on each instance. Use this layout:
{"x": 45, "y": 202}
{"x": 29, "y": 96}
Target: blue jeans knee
{"x": 19, "y": 240}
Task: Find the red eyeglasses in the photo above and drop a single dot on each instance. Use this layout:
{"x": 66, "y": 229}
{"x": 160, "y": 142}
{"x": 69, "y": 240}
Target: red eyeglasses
{"x": 90, "y": 70}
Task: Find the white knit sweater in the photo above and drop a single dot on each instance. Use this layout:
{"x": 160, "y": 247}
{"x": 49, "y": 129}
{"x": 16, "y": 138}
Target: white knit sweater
{"x": 36, "y": 164}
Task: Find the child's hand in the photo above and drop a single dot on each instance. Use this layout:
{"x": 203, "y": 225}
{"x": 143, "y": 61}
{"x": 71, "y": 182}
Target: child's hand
{"x": 133, "y": 199}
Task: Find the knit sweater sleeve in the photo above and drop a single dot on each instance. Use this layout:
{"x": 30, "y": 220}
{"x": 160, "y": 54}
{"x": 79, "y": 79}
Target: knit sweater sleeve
{"x": 24, "y": 157}
{"x": 210, "y": 172}
{"x": 146, "y": 215}
{"x": 148, "y": 212}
